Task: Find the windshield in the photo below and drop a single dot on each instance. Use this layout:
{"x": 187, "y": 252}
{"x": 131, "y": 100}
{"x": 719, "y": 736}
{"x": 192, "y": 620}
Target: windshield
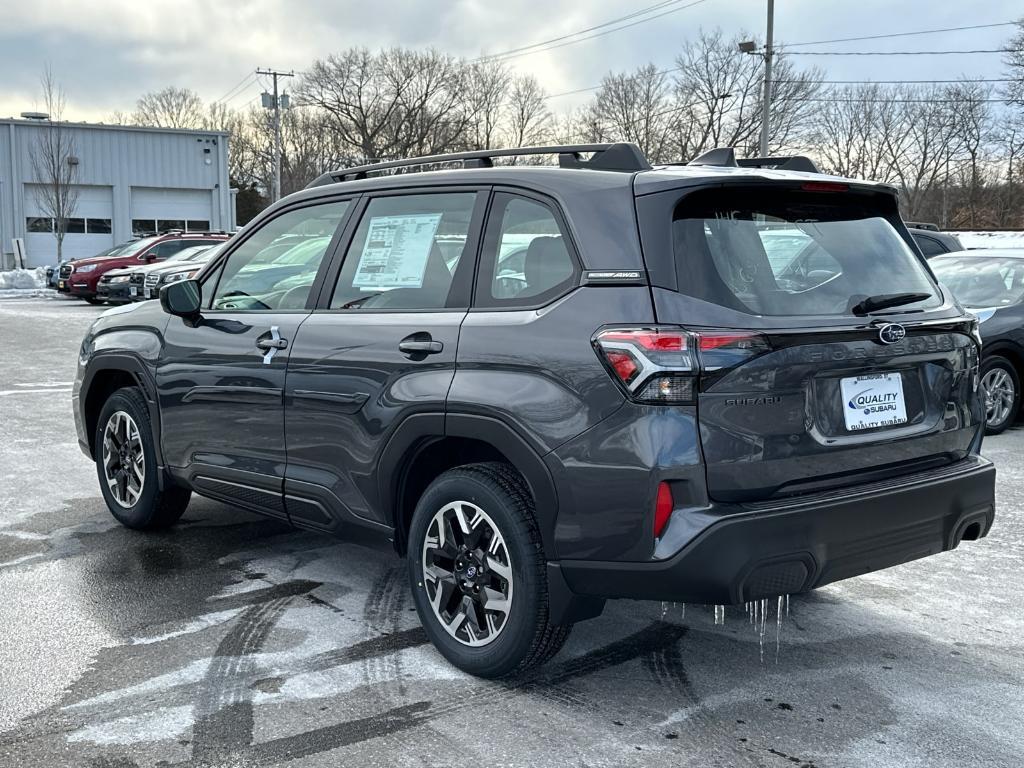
{"x": 132, "y": 248}
{"x": 189, "y": 254}
{"x": 792, "y": 253}
{"x": 981, "y": 281}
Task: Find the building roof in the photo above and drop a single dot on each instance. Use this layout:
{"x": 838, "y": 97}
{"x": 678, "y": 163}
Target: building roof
{"x": 114, "y": 127}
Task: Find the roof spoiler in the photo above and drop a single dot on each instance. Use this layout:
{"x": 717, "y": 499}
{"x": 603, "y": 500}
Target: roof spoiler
{"x": 726, "y": 157}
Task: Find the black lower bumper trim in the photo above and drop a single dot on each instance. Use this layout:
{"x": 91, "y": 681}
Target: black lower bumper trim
{"x": 806, "y": 543}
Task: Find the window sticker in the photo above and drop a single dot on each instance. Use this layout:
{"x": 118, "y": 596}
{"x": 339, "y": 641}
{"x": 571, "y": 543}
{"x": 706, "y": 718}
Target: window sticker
{"x": 396, "y": 251}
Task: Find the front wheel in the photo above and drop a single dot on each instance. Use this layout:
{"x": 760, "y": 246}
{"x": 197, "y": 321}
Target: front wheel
{"x": 1000, "y": 386}
{"x": 478, "y": 572}
{"x": 95, "y": 300}
{"x": 127, "y": 468}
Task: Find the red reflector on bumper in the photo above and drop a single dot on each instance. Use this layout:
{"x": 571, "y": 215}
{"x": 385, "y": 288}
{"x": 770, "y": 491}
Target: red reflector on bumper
{"x": 662, "y": 509}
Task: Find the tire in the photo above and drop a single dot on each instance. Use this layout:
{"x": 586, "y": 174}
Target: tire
{"x": 1000, "y": 384}
{"x": 523, "y": 638}
{"x": 95, "y": 300}
{"x": 141, "y": 508}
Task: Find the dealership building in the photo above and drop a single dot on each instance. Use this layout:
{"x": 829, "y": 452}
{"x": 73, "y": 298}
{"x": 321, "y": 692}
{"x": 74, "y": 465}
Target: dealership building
{"x": 130, "y": 182}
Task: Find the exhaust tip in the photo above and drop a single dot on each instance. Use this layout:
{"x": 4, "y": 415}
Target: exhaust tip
{"x": 971, "y": 533}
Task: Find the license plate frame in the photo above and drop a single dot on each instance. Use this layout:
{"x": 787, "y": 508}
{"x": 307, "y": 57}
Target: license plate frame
{"x": 873, "y": 401}
{"x": 133, "y": 290}
{"x": 61, "y": 285}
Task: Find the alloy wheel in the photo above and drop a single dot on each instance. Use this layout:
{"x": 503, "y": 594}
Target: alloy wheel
{"x": 124, "y": 461}
{"x": 1000, "y": 394}
{"x": 467, "y": 573}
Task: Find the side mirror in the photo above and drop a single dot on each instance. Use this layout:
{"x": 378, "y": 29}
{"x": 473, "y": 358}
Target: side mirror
{"x": 182, "y": 299}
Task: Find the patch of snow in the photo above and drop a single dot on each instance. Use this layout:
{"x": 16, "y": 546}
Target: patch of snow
{"x": 23, "y": 279}
{"x": 159, "y": 725}
{"x": 203, "y": 622}
{"x": 990, "y": 239}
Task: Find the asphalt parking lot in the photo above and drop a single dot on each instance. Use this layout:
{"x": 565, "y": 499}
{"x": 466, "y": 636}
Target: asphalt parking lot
{"x": 234, "y": 641}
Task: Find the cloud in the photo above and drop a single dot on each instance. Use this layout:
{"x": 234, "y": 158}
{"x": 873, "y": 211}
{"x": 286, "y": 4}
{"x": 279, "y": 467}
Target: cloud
{"x": 108, "y": 52}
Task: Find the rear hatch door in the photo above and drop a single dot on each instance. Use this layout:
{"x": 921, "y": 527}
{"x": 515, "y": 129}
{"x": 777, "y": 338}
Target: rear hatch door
{"x": 829, "y": 356}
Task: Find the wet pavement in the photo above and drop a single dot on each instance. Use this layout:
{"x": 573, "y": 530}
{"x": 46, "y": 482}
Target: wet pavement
{"x": 231, "y": 640}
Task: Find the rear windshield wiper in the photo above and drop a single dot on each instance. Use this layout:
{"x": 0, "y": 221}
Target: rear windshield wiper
{"x": 885, "y": 301}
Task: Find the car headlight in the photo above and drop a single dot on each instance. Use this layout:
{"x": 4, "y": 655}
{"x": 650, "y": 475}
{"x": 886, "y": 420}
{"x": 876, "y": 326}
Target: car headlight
{"x": 120, "y": 278}
{"x": 173, "y": 278}
{"x": 85, "y": 268}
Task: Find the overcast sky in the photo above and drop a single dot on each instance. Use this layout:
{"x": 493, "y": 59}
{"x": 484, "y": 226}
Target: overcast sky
{"x": 106, "y": 53}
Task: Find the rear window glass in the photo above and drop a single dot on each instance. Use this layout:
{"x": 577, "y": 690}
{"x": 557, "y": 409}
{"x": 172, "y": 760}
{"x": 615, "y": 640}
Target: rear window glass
{"x": 982, "y": 282}
{"x": 792, "y": 253}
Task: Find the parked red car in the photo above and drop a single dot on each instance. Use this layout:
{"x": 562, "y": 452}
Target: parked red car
{"x": 81, "y": 278}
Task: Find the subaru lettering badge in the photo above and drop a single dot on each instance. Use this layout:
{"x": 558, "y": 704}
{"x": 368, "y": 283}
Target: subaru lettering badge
{"x": 890, "y": 333}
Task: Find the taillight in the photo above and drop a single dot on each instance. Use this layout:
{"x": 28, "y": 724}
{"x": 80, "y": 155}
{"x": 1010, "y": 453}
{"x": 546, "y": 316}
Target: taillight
{"x": 655, "y": 365}
{"x": 725, "y": 349}
{"x": 664, "y": 364}
{"x": 662, "y": 508}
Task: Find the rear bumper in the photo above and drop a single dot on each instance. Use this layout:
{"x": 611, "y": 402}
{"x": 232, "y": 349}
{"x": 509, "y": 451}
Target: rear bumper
{"x": 759, "y": 551}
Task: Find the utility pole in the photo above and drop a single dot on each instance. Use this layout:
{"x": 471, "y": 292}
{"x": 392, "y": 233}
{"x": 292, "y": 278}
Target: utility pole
{"x": 768, "y": 52}
{"x": 275, "y": 102}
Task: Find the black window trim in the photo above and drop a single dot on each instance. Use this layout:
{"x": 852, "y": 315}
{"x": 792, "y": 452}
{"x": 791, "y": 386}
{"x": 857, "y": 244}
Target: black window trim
{"x": 460, "y": 293}
{"x": 214, "y": 268}
{"x": 484, "y": 272}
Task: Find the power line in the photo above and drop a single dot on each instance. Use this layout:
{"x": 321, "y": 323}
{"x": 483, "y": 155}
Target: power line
{"x": 560, "y": 42}
{"x": 900, "y": 53}
{"x": 847, "y": 100}
{"x": 838, "y": 53}
{"x": 905, "y": 34}
{"x": 244, "y": 91}
{"x": 964, "y": 80}
{"x": 243, "y": 83}
{"x": 582, "y": 31}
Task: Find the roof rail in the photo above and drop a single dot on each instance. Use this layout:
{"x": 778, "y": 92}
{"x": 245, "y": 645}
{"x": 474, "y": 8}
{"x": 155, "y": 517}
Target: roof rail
{"x": 606, "y": 157}
{"x": 726, "y": 156}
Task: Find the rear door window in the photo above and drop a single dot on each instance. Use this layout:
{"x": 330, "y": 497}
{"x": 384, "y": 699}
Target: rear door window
{"x": 526, "y": 259}
{"x": 792, "y": 253}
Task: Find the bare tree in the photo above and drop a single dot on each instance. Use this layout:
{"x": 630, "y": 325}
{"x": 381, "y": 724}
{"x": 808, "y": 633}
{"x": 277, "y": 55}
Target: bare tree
{"x": 55, "y": 163}
{"x": 973, "y": 130}
{"x": 169, "y": 108}
{"x": 719, "y": 95}
{"x": 485, "y": 88}
{"x": 396, "y": 103}
{"x": 1014, "y": 62}
{"x": 920, "y": 137}
{"x": 633, "y": 107}
{"x": 849, "y": 132}
{"x": 528, "y": 119}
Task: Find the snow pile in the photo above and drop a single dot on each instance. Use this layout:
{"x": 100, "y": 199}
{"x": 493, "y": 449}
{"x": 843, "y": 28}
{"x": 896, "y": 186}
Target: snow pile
{"x": 18, "y": 283}
{"x": 23, "y": 278}
{"x": 990, "y": 239}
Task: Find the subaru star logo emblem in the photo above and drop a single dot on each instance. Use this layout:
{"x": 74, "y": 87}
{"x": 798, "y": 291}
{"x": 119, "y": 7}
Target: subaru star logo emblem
{"x": 890, "y": 333}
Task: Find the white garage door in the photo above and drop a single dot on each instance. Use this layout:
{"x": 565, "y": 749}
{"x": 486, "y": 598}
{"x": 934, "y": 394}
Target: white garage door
{"x": 157, "y": 210}
{"x": 89, "y": 226}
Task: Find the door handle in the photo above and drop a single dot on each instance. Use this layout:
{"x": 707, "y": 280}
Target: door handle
{"x": 271, "y": 344}
{"x": 420, "y": 344}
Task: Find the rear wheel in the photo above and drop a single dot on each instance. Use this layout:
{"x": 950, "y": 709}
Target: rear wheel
{"x": 1000, "y": 385}
{"x": 127, "y": 468}
{"x": 478, "y": 572}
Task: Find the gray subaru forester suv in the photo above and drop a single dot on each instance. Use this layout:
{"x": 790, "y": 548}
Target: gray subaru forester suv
{"x": 716, "y": 382}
